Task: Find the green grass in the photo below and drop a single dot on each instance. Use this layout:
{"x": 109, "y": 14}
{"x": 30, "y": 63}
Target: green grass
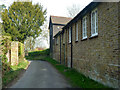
{"x": 38, "y": 55}
{"x": 75, "y": 78}
{"x": 12, "y": 74}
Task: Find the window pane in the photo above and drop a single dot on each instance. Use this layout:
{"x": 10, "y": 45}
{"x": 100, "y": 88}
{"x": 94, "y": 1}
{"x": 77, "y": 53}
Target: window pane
{"x": 96, "y": 22}
{"x": 93, "y": 23}
{"x": 69, "y": 35}
{"x": 84, "y": 27}
{"x": 76, "y": 31}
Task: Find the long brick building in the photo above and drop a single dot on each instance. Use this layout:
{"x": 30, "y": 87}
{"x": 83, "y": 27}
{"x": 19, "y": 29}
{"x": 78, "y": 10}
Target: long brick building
{"x": 90, "y": 43}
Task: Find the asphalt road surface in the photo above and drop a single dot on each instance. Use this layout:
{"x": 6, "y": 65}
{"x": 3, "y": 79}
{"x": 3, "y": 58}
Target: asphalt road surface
{"x": 41, "y": 74}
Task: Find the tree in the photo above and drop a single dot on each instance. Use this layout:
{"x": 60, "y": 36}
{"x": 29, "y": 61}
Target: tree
{"x": 29, "y": 44}
{"x": 23, "y": 19}
{"x": 73, "y": 10}
{"x": 43, "y": 37}
{"x": 1, "y": 9}
{"x": 41, "y": 41}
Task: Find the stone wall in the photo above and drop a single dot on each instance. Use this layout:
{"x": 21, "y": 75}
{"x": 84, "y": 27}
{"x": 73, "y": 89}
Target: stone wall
{"x": 14, "y": 53}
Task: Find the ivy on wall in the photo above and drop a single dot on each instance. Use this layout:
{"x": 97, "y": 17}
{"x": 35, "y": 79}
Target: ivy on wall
{"x": 5, "y": 44}
{"x": 5, "y": 47}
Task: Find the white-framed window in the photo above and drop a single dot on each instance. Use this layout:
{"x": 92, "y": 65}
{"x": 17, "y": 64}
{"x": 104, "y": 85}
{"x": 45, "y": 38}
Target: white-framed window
{"x": 76, "y": 39}
{"x": 69, "y": 35}
{"x": 94, "y": 23}
{"x": 84, "y": 27}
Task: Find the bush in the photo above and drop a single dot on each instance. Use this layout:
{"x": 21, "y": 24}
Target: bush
{"x": 37, "y": 53}
{"x": 21, "y": 49}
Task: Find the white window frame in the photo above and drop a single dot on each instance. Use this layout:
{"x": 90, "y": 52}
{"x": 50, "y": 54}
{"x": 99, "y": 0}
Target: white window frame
{"x": 84, "y": 27}
{"x": 69, "y": 34}
{"x": 94, "y": 25}
{"x": 76, "y": 39}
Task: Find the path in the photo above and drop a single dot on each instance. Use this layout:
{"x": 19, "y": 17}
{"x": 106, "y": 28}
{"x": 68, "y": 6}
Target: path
{"x": 41, "y": 74}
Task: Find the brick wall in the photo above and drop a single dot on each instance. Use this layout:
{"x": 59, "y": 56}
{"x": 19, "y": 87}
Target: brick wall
{"x": 56, "y": 49}
{"x": 97, "y": 57}
{"x": 63, "y": 48}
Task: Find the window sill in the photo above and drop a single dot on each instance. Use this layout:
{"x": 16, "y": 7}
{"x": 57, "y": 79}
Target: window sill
{"x": 84, "y": 39}
{"x": 76, "y": 41}
{"x": 93, "y": 36}
{"x": 69, "y": 42}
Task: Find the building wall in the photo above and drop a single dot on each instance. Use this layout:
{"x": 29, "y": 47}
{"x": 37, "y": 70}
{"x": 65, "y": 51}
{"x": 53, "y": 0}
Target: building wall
{"x": 54, "y": 49}
{"x": 51, "y": 40}
{"x": 66, "y": 42}
{"x": 98, "y": 57}
{"x": 68, "y": 49}
{"x": 54, "y": 29}
{"x": 57, "y": 49}
{"x": 63, "y": 49}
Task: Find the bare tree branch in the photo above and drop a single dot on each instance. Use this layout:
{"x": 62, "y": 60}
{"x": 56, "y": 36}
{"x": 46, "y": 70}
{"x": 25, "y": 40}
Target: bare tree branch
{"x": 73, "y": 10}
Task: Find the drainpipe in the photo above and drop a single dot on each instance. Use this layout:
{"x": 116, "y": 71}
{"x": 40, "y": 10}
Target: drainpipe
{"x": 60, "y": 49}
{"x": 71, "y": 49}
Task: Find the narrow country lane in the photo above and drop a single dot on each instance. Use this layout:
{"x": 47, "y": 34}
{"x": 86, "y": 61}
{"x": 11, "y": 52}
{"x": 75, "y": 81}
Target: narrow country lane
{"x": 41, "y": 74}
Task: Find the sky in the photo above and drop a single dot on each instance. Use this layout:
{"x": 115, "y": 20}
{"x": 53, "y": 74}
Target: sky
{"x": 54, "y": 7}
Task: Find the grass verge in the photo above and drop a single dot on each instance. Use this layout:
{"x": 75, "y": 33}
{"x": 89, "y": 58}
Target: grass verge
{"x": 75, "y": 78}
{"x": 13, "y": 73}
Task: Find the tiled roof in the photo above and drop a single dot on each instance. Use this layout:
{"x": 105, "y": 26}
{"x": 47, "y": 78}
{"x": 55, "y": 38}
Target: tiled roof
{"x": 60, "y": 20}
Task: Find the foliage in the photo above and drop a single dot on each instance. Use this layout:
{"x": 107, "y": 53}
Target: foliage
{"x": 75, "y": 78}
{"x": 42, "y": 37}
{"x": 29, "y": 43}
{"x": 5, "y": 47}
{"x": 36, "y": 53}
{"x": 13, "y": 72}
{"x": 21, "y": 49}
{"x": 1, "y": 8}
{"x": 23, "y": 19}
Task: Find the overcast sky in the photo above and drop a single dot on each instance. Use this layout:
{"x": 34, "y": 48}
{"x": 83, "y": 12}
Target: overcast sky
{"x": 54, "y": 7}
{"x": 57, "y": 7}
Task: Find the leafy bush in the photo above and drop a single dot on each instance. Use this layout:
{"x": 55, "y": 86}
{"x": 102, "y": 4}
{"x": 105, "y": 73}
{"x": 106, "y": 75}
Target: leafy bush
{"x": 37, "y": 53}
{"x": 20, "y": 49}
